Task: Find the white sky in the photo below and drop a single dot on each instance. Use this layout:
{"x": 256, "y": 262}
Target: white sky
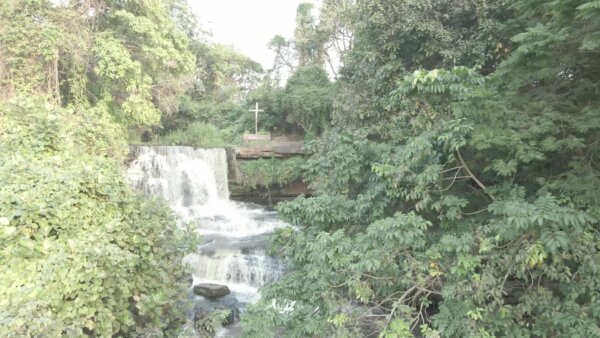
{"x": 248, "y": 25}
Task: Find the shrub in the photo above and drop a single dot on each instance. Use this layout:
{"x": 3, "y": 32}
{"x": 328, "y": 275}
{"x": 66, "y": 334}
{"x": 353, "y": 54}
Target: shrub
{"x": 82, "y": 255}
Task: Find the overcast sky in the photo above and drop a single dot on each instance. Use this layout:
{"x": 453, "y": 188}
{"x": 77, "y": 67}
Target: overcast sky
{"x": 248, "y": 25}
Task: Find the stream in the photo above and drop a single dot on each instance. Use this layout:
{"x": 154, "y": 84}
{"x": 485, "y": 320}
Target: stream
{"x": 234, "y": 234}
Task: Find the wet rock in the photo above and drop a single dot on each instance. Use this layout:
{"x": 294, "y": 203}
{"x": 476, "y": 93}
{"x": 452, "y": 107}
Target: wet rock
{"x": 203, "y": 308}
{"x": 234, "y": 174}
{"x": 271, "y": 149}
{"x": 219, "y": 218}
{"x": 289, "y": 148}
{"x": 208, "y": 252}
{"x": 185, "y": 278}
{"x": 210, "y": 290}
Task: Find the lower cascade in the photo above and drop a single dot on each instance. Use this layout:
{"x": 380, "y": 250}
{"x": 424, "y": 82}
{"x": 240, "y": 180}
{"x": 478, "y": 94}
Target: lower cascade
{"x": 234, "y": 234}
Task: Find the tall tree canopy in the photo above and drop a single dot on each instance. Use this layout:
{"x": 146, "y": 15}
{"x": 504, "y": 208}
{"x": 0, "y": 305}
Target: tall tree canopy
{"x": 457, "y": 193}
{"x": 126, "y": 57}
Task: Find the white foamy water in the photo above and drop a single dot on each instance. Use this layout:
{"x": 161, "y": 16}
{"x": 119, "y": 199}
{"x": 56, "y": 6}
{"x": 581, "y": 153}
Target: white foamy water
{"x": 194, "y": 183}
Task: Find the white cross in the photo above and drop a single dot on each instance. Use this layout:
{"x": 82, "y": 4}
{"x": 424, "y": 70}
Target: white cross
{"x": 256, "y": 110}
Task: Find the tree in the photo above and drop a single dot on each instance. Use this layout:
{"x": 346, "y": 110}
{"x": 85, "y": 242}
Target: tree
{"x": 83, "y": 255}
{"x": 223, "y": 74}
{"x": 456, "y": 194}
{"x": 307, "y": 39}
{"x": 223, "y": 81}
{"x": 337, "y": 24}
{"x": 307, "y": 99}
{"x": 395, "y": 38}
{"x": 270, "y": 98}
{"x": 128, "y": 58}
{"x": 35, "y": 45}
{"x": 142, "y": 60}
{"x": 317, "y": 40}
{"x": 285, "y": 57}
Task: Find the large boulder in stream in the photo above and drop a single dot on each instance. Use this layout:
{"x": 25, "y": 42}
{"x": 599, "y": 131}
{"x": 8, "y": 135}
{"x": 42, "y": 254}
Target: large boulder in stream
{"x": 210, "y": 290}
{"x": 204, "y": 307}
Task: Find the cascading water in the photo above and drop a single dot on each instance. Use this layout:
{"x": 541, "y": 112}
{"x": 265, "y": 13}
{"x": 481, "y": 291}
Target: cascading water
{"x": 194, "y": 183}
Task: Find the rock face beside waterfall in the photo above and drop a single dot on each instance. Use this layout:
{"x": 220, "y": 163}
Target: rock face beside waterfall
{"x": 270, "y": 196}
{"x": 203, "y": 308}
{"x": 281, "y": 147}
{"x": 261, "y": 195}
{"x": 211, "y": 290}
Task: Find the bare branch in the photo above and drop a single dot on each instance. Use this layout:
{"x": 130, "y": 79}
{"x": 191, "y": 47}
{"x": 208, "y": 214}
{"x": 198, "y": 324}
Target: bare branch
{"x": 330, "y": 64}
{"x": 462, "y": 161}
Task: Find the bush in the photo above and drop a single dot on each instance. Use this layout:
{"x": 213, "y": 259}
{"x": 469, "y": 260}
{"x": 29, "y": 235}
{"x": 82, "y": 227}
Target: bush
{"x": 198, "y": 134}
{"x": 269, "y": 172}
{"x": 273, "y": 118}
{"x": 82, "y": 255}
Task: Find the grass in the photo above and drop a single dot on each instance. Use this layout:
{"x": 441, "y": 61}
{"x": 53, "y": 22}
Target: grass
{"x": 199, "y": 134}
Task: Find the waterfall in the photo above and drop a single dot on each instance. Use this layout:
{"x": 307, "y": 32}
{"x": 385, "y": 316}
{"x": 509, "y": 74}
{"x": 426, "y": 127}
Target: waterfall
{"x": 183, "y": 176}
{"x": 194, "y": 182}
{"x": 253, "y": 271}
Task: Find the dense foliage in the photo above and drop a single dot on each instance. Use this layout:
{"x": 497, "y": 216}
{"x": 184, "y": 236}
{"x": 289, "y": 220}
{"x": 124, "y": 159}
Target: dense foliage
{"x": 457, "y": 194}
{"x": 303, "y": 106}
{"x": 273, "y": 119}
{"x": 218, "y": 95}
{"x": 270, "y": 172}
{"x": 307, "y": 99}
{"x": 227, "y": 84}
{"x": 457, "y": 186}
{"x": 231, "y": 85}
{"x": 127, "y": 58}
{"x": 82, "y": 254}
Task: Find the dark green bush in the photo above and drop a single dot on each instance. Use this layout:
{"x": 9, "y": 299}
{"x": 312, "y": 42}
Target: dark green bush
{"x": 81, "y": 253}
